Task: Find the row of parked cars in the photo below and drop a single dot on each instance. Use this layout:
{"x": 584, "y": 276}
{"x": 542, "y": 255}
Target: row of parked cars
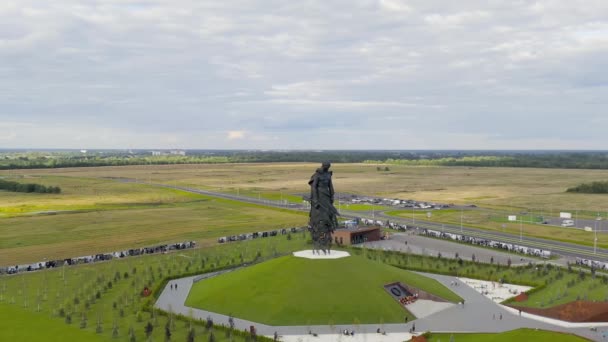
{"x": 251, "y": 236}
{"x": 489, "y": 243}
{"x": 598, "y": 265}
{"x": 96, "y": 258}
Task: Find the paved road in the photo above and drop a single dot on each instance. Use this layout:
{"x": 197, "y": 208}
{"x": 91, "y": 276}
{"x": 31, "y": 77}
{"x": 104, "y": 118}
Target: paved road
{"x": 474, "y": 316}
{"x": 558, "y": 247}
{"x": 418, "y": 244}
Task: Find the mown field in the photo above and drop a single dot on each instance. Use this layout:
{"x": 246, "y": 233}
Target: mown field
{"x": 96, "y": 212}
{"x": 100, "y": 215}
{"x": 501, "y": 187}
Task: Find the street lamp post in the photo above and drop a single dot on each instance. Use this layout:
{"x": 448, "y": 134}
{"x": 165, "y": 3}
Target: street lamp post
{"x": 461, "y": 214}
{"x": 521, "y": 229}
{"x": 413, "y": 221}
{"x": 595, "y": 237}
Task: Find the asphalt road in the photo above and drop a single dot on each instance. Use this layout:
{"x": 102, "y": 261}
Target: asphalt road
{"x": 563, "y": 248}
{"x": 566, "y": 249}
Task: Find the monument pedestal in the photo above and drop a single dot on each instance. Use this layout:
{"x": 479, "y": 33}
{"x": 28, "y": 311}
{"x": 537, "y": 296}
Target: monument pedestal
{"x": 308, "y": 254}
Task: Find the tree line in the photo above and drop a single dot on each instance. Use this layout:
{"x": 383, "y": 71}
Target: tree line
{"x": 547, "y": 159}
{"x": 28, "y": 187}
{"x": 590, "y": 188}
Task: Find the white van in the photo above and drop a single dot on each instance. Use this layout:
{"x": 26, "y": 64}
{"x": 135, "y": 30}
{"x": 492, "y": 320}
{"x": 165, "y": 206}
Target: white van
{"x": 567, "y": 223}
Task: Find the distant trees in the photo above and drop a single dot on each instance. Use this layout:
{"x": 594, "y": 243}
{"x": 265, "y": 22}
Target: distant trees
{"x": 542, "y": 159}
{"x": 590, "y": 188}
{"x": 28, "y": 187}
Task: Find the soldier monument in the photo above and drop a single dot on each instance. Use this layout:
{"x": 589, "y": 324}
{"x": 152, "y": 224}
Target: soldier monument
{"x": 323, "y": 214}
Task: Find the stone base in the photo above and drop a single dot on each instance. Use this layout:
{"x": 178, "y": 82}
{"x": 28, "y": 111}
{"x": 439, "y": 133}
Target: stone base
{"x": 308, "y": 254}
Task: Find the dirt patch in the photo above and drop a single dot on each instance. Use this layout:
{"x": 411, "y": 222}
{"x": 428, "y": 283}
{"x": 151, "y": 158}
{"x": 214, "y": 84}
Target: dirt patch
{"x": 420, "y": 338}
{"x": 522, "y": 297}
{"x": 577, "y": 311}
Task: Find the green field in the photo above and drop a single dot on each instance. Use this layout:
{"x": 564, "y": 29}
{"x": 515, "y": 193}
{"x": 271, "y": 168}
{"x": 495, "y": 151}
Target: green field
{"x": 98, "y": 213}
{"x": 298, "y": 291}
{"x": 497, "y": 220}
{"x": 51, "y": 295}
{"x": 34, "y": 306}
{"x": 102, "y": 203}
{"x": 509, "y": 336}
{"x": 127, "y": 216}
{"x": 21, "y": 325}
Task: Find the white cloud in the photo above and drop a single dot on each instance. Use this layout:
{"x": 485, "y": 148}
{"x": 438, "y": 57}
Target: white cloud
{"x": 235, "y": 135}
{"x": 186, "y": 73}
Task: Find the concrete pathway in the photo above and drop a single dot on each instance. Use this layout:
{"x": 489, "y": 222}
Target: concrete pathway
{"x": 478, "y": 314}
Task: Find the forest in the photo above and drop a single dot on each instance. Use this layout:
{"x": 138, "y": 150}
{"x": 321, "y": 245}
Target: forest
{"x": 28, "y": 187}
{"x": 537, "y": 159}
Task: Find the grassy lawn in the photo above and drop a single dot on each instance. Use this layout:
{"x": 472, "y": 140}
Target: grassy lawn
{"x": 514, "y": 335}
{"x": 362, "y": 207}
{"x": 31, "y": 239}
{"x": 34, "y": 306}
{"x": 16, "y": 325}
{"x": 298, "y": 291}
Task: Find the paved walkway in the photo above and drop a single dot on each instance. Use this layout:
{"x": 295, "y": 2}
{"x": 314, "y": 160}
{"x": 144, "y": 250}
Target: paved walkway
{"x": 478, "y": 314}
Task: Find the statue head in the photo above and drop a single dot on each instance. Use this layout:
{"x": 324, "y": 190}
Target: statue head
{"x": 325, "y": 165}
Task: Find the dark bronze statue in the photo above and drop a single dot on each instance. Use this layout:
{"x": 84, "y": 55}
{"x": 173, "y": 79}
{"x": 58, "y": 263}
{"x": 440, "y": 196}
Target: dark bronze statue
{"x": 323, "y": 214}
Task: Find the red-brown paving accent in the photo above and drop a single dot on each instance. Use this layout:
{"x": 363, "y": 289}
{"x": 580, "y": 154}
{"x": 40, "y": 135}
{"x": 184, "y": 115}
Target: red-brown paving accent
{"x": 522, "y": 297}
{"x": 577, "y": 311}
{"x": 420, "y": 338}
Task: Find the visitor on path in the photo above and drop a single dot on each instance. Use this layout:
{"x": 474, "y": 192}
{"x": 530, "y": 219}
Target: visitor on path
{"x": 500, "y": 316}
{"x": 276, "y": 336}
{"x": 176, "y": 286}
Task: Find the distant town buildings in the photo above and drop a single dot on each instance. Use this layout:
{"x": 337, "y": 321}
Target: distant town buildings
{"x": 167, "y": 153}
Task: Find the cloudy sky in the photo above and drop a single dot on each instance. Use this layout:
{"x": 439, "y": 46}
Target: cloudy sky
{"x": 385, "y": 74}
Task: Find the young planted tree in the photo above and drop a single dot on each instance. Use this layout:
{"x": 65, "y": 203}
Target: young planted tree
{"x": 148, "y": 330}
{"x": 191, "y": 335}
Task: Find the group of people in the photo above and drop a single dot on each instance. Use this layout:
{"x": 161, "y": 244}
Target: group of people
{"x": 173, "y": 286}
{"x": 408, "y": 299}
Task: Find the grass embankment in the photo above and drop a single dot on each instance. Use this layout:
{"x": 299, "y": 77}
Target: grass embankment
{"x": 509, "y": 336}
{"x": 35, "y": 306}
{"x": 553, "y": 285}
{"x": 298, "y": 291}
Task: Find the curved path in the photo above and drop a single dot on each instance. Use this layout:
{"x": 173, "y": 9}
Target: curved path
{"x": 478, "y": 314}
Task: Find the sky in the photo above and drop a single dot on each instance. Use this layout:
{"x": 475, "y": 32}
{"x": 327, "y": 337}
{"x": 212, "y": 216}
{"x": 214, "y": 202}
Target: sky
{"x": 308, "y": 74}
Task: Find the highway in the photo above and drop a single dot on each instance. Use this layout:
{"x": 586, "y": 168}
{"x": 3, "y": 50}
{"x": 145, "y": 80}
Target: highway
{"x": 566, "y": 249}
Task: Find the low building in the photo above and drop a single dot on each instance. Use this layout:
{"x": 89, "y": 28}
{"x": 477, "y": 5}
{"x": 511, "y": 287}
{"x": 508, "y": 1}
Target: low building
{"x": 356, "y": 236}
